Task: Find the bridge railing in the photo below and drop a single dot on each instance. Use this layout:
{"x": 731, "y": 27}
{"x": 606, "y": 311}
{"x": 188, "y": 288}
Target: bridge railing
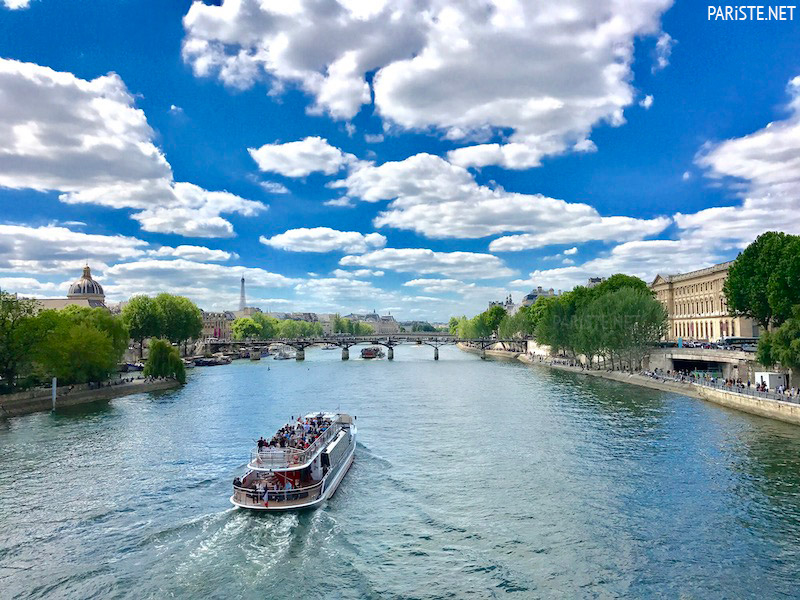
{"x": 734, "y": 389}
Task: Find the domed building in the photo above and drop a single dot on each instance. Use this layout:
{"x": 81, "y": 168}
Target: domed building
{"x": 87, "y": 288}
{"x": 82, "y": 292}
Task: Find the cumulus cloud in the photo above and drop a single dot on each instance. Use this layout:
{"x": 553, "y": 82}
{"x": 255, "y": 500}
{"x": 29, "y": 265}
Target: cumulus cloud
{"x": 356, "y": 273}
{"x": 646, "y": 102}
{"x": 571, "y": 251}
{"x": 643, "y": 258}
{"x": 209, "y": 285}
{"x": 298, "y": 159}
{"x": 54, "y": 249}
{"x": 196, "y": 253}
{"x": 764, "y": 168}
{"x": 440, "y": 200}
{"x": 663, "y": 51}
{"x": 16, "y": 4}
{"x": 273, "y": 187}
{"x": 424, "y": 262}
{"x": 538, "y": 75}
{"x": 87, "y": 140}
{"x": 439, "y": 286}
{"x": 324, "y": 239}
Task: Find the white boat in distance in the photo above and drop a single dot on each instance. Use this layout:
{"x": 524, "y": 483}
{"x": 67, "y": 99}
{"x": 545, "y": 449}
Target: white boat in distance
{"x": 301, "y": 466}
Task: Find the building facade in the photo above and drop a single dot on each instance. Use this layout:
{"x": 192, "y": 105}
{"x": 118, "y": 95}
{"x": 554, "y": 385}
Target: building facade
{"x": 534, "y": 295}
{"x": 696, "y": 305}
{"x": 218, "y": 325}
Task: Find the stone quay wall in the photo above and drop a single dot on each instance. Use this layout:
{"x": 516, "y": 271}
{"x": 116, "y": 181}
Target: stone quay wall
{"x": 23, "y": 403}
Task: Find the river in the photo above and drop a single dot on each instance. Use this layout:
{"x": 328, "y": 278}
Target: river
{"x": 472, "y": 479}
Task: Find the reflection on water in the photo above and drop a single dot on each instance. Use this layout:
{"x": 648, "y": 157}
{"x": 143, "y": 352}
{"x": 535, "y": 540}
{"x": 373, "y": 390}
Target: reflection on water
{"x": 472, "y": 478}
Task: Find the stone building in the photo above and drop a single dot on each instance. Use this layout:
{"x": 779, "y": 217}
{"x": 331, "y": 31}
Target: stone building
{"x": 534, "y": 295}
{"x": 218, "y": 324}
{"x": 82, "y": 292}
{"x": 696, "y": 305}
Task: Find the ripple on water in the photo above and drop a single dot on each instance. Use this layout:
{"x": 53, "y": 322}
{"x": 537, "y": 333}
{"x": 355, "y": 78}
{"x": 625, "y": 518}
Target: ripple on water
{"x": 479, "y": 479}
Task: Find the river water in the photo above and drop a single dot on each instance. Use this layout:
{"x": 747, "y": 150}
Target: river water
{"x": 472, "y": 479}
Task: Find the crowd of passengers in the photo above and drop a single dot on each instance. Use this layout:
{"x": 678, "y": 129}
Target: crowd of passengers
{"x": 300, "y": 434}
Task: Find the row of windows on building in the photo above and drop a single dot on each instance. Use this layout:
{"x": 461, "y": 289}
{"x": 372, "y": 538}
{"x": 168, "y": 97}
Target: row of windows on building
{"x": 705, "y": 329}
{"x": 702, "y": 306}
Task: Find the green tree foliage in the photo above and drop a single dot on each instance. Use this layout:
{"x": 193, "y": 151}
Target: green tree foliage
{"x": 782, "y": 346}
{"x": 762, "y": 282}
{"x": 144, "y": 319}
{"x": 103, "y": 320}
{"x": 245, "y": 328}
{"x": 452, "y": 325}
{"x": 17, "y": 336}
{"x": 76, "y": 351}
{"x": 268, "y": 326}
{"x": 164, "y": 360}
{"x": 617, "y": 282}
{"x": 620, "y": 325}
{"x": 182, "y": 319}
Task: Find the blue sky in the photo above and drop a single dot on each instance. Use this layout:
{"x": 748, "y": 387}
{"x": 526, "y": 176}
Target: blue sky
{"x": 417, "y": 157}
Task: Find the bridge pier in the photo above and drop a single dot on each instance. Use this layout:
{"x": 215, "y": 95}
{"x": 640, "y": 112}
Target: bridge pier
{"x": 345, "y": 353}
{"x": 435, "y": 353}
{"x": 483, "y": 353}
{"x": 300, "y": 353}
{"x": 390, "y": 353}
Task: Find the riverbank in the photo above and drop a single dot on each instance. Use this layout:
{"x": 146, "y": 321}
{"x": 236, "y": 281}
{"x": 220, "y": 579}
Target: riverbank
{"x": 23, "y": 403}
{"x": 496, "y": 353}
{"x": 787, "y": 412}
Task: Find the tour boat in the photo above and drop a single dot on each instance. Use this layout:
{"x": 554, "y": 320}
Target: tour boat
{"x": 372, "y": 352}
{"x": 285, "y": 478}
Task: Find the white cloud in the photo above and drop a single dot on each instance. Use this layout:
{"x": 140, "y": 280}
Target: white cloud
{"x": 440, "y": 200}
{"x": 571, "y": 251}
{"x": 343, "y": 202}
{"x": 273, "y": 187}
{"x": 373, "y": 138}
{"x": 209, "y": 285}
{"x": 646, "y": 102}
{"x": 765, "y": 166}
{"x": 324, "y": 239}
{"x": 424, "y": 262}
{"x": 87, "y": 140}
{"x": 175, "y": 110}
{"x": 356, "y": 273}
{"x": 663, "y": 51}
{"x": 567, "y": 261}
{"x": 195, "y": 253}
{"x": 686, "y": 176}
{"x": 17, "y": 4}
{"x": 560, "y": 69}
{"x": 298, "y": 159}
{"x": 54, "y": 249}
{"x": 644, "y": 259}
{"x": 31, "y": 287}
{"x": 439, "y": 286}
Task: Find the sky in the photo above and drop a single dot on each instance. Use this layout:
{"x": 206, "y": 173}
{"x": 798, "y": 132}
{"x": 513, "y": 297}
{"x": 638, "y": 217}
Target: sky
{"x": 416, "y": 157}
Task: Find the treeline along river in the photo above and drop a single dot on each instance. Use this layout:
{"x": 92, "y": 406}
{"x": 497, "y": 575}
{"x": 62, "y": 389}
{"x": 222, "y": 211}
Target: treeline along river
{"x": 472, "y": 479}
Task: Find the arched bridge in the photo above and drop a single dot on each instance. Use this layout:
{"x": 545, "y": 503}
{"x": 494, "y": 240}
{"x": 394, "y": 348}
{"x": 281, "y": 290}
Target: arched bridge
{"x": 345, "y": 342}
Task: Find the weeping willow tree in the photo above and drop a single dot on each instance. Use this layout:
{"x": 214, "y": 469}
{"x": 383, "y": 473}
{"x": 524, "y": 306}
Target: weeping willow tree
{"x": 164, "y": 360}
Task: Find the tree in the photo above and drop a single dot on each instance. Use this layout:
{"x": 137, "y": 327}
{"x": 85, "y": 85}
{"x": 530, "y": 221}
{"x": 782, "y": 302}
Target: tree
{"x": 144, "y": 319}
{"x": 452, "y": 326}
{"x": 76, "y": 352}
{"x": 619, "y": 281}
{"x": 268, "y": 326}
{"x": 760, "y": 282}
{"x": 103, "y": 320}
{"x": 164, "y": 360}
{"x": 782, "y": 346}
{"x": 493, "y": 317}
{"x": 16, "y": 337}
{"x": 245, "y": 328}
